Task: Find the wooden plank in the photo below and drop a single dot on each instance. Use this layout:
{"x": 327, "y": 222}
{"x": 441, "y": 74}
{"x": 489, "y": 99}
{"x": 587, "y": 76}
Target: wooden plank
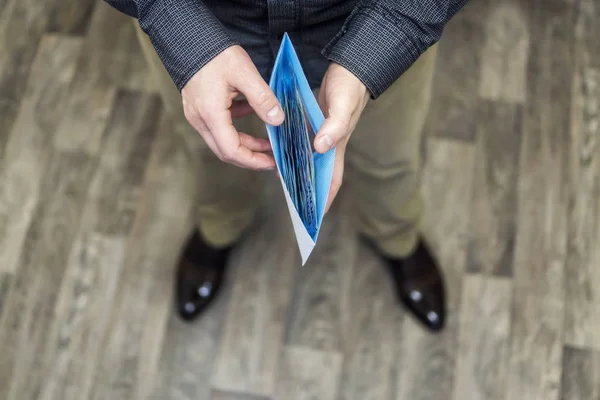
{"x": 505, "y": 52}
{"x": 12, "y": 319}
{"x": 8, "y": 114}
{"x": 26, "y": 153}
{"x": 582, "y": 314}
{"x": 189, "y": 352}
{"x": 116, "y": 48}
{"x": 22, "y": 24}
{"x": 112, "y": 44}
{"x": 47, "y": 246}
{"x": 538, "y": 313}
{"x": 89, "y": 106}
{"x": 492, "y": 229}
{"x": 5, "y": 288}
{"x": 219, "y": 395}
{"x": 253, "y": 333}
{"x": 90, "y": 103}
{"x": 323, "y": 288}
{"x": 587, "y": 31}
{"x": 88, "y": 293}
{"x": 308, "y": 374}
{"x": 118, "y": 364}
{"x": 483, "y": 338}
{"x": 502, "y": 77}
{"x": 426, "y": 362}
{"x": 70, "y": 17}
{"x": 133, "y": 340}
{"x": 86, "y": 298}
{"x": 131, "y": 131}
{"x": 454, "y": 107}
{"x": 371, "y": 332}
{"x": 581, "y": 374}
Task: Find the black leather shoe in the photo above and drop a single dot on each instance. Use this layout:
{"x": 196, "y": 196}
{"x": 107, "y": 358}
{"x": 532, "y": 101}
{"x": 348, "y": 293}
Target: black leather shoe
{"x": 200, "y": 273}
{"x": 420, "y": 286}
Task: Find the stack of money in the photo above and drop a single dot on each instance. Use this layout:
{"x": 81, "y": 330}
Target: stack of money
{"x": 297, "y": 162}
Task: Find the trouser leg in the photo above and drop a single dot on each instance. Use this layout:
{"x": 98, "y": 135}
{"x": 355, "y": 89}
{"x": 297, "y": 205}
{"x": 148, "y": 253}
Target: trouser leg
{"x": 383, "y": 160}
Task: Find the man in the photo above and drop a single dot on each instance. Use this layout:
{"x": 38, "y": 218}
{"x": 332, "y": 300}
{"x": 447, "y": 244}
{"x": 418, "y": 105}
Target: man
{"x": 372, "y": 62}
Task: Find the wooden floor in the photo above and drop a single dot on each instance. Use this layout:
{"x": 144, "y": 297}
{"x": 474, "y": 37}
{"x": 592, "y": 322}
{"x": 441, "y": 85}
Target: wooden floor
{"x": 95, "y": 199}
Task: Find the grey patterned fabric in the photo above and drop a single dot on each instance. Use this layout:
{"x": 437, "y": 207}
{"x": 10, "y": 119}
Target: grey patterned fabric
{"x": 377, "y": 40}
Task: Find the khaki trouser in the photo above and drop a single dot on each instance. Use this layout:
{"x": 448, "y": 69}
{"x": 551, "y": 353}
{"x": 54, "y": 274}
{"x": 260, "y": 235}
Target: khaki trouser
{"x": 382, "y": 162}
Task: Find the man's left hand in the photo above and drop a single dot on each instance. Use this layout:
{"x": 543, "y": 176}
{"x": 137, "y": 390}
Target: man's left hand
{"x": 342, "y": 98}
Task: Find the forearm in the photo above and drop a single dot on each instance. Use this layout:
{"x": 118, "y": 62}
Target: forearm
{"x": 382, "y": 38}
{"x": 185, "y": 33}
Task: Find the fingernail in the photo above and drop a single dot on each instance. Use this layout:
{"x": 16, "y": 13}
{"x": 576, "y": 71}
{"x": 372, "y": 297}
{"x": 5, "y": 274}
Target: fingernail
{"x": 326, "y": 141}
{"x": 274, "y": 112}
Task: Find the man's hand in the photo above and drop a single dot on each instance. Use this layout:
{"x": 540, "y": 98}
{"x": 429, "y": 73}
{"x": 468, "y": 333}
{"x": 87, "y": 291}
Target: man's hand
{"x": 209, "y": 105}
{"x": 342, "y": 98}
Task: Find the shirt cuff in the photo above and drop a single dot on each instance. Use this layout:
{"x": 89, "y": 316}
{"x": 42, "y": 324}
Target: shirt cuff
{"x": 186, "y": 36}
{"x": 376, "y": 47}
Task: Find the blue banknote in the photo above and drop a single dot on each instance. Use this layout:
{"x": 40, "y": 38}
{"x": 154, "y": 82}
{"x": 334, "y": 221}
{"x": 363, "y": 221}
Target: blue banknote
{"x": 298, "y": 168}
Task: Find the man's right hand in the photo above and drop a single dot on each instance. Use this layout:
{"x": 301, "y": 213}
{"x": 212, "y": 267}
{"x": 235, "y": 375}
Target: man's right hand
{"x": 209, "y": 106}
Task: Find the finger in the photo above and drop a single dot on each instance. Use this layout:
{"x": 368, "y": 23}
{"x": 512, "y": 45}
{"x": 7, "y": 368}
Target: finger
{"x": 332, "y": 132}
{"x": 259, "y": 95}
{"x": 228, "y": 141}
{"x": 255, "y": 144}
{"x": 337, "y": 177}
{"x": 339, "y": 111}
{"x": 241, "y": 108}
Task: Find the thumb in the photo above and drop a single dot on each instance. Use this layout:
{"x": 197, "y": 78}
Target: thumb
{"x": 259, "y": 95}
{"x": 330, "y": 134}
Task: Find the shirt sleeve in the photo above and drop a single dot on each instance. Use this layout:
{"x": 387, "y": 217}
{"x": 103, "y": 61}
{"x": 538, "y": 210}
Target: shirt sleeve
{"x": 381, "y": 39}
{"x": 185, "y": 33}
